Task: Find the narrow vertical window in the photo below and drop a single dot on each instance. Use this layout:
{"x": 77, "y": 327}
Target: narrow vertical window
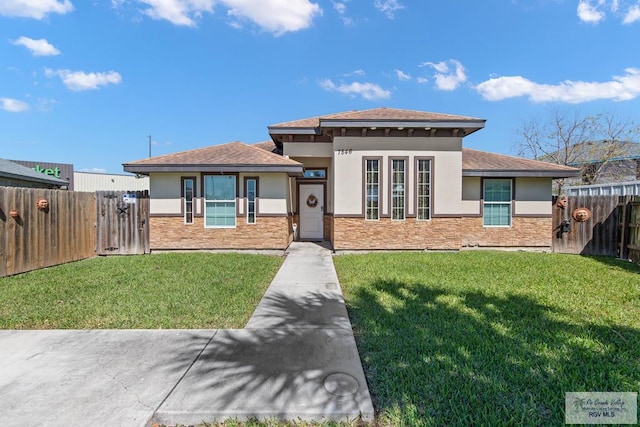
{"x": 188, "y": 195}
{"x": 497, "y": 203}
{"x": 398, "y": 175}
{"x": 424, "y": 189}
{"x": 372, "y": 187}
{"x": 251, "y": 192}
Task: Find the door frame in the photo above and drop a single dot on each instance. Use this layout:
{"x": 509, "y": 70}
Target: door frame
{"x": 323, "y": 184}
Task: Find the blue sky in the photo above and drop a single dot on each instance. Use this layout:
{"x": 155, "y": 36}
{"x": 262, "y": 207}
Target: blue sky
{"x": 87, "y": 81}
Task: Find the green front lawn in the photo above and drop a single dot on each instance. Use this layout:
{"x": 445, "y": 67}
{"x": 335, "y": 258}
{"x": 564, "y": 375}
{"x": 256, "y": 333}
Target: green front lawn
{"x": 491, "y": 338}
{"x": 172, "y": 290}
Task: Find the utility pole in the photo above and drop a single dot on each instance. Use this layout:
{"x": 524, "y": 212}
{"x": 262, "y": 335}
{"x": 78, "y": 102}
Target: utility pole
{"x": 149, "y": 145}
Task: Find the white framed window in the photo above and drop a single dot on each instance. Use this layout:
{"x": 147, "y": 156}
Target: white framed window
{"x": 496, "y": 207}
{"x": 188, "y": 194}
{"x": 251, "y": 192}
{"x": 319, "y": 173}
{"x": 423, "y": 189}
{"x": 372, "y": 189}
{"x": 398, "y": 186}
{"x": 220, "y": 201}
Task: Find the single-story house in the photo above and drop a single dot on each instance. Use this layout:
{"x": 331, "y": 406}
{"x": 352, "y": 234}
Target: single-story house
{"x": 13, "y": 174}
{"x": 375, "y": 179}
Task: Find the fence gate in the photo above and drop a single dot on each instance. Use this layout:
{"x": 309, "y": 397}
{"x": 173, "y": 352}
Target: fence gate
{"x": 122, "y": 222}
{"x": 602, "y": 234}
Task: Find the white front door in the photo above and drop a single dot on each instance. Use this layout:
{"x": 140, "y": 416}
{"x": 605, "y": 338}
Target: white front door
{"x": 311, "y": 210}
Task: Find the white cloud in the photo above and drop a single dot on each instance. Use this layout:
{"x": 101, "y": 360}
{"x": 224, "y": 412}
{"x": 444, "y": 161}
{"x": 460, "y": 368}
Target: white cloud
{"x": 341, "y": 9}
{"x": 93, "y": 170}
{"x": 13, "y": 105}
{"x": 401, "y": 75}
{"x": 358, "y": 72}
{"x": 590, "y": 13}
{"x": 445, "y": 77}
{"x": 79, "y": 80}
{"x": 369, "y": 91}
{"x": 388, "y": 7}
{"x": 40, "y": 47}
{"x": 595, "y": 11}
{"x": 422, "y": 80}
{"x": 178, "y": 12}
{"x": 36, "y": 9}
{"x": 632, "y": 15}
{"x": 274, "y": 16}
{"x": 619, "y": 88}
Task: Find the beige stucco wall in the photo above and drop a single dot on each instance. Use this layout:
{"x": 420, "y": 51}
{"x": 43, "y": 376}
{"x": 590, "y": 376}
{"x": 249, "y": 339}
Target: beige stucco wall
{"x": 447, "y": 171}
{"x": 471, "y": 195}
{"x": 307, "y": 149}
{"x": 533, "y": 196}
{"x": 165, "y": 193}
{"x": 272, "y": 193}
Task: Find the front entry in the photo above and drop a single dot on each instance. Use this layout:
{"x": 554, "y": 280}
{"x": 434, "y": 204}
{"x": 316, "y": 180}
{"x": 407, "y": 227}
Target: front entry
{"x": 311, "y": 210}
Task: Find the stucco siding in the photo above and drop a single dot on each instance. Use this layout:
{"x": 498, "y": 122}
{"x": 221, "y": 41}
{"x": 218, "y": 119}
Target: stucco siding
{"x": 471, "y": 195}
{"x": 533, "y": 196}
{"x": 308, "y": 149}
{"x": 272, "y": 194}
{"x": 349, "y": 161}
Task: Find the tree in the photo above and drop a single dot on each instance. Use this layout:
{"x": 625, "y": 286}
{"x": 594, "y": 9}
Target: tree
{"x": 574, "y": 139}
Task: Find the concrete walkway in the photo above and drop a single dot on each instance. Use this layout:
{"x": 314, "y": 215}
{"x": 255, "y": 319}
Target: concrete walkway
{"x": 296, "y": 359}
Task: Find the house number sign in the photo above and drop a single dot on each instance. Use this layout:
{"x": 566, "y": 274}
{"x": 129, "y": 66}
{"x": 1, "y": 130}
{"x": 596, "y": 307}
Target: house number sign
{"x": 344, "y": 151}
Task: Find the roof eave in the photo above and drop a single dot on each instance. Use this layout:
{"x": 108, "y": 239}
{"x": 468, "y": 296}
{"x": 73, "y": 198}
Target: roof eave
{"x": 44, "y": 180}
{"x": 504, "y": 173}
{"x": 440, "y": 124}
{"x": 146, "y": 169}
{"x": 275, "y": 130}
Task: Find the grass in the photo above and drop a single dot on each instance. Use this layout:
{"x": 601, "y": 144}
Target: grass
{"x": 171, "y": 290}
{"x": 490, "y": 338}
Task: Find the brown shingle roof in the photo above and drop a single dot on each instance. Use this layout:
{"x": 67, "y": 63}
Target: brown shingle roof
{"x": 228, "y": 157}
{"x": 375, "y": 114}
{"x": 482, "y": 163}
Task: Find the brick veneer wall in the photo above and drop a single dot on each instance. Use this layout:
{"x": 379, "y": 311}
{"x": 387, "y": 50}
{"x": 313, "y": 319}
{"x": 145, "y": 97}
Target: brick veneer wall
{"x": 439, "y": 233}
{"x": 172, "y": 233}
{"x": 526, "y": 232}
{"x": 357, "y": 233}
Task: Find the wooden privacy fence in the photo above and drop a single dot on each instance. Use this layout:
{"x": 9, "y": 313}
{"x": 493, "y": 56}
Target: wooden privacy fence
{"x": 74, "y": 226}
{"x": 122, "y": 223}
{"x": 32, "y": 238}
{"x": 612, "y": 230}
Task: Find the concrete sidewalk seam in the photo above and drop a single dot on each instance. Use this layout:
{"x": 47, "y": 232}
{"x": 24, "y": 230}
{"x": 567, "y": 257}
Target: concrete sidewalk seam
{"x": 151, "y": 419}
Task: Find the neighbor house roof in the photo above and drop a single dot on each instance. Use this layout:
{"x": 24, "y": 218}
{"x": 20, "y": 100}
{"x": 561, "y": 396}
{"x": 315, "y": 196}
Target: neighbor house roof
{"x": 484, "y": 164}
{"x": 379, "y": 117}
{"x": 594, "y": 151}
{"x": 13, "y": 170}
{"x": 230, "y": 157}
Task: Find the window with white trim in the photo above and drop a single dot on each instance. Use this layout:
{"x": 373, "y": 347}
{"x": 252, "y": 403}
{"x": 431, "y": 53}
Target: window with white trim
{"x": 220, "y": 201}
{"x": 372, "y": 189}
{"x": 398, "y": 184}
{"x": 188, "y": 189}
{"x": 496, "y": 209}
{"x": 423, "y": 191}
{"x": 251, "y": 193}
